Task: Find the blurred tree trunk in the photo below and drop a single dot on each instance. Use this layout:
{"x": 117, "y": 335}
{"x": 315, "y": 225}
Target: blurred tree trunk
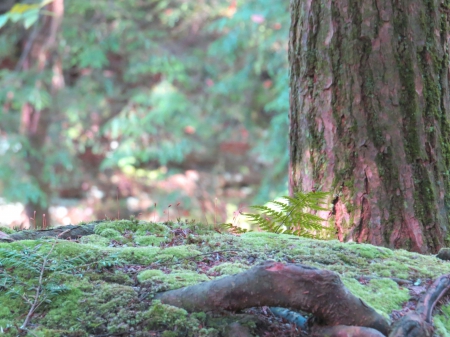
{"x": 370, "y": 116}
{"x": 39, "y": 55}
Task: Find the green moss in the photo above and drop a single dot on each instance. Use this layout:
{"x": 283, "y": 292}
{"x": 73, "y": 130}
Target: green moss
{"x": 177, "y": 252}
{"x": 149, "y": 275}
{"x": 109, "y": 233}
{"x": 137, "y": 255}
{"x": 268, "y": 240}
{"x": 152, "y": 228}
{"x": 229, "y": 268}
{"x": 442, "y": 321}
{"x": 117, "y": 276}
{"x": 64, "y": 248}
{"x": 139, "y": 227}
{"x": 10, "y": 308}
{"x": 111, "y": 307}
{"x": 173, "y": 280}
{"x": 45, "y": 332}
{"x": 178, "y": 321}
{"x": 64, "y": 311}
{"x": 96, "y": 240}
{"x": 120, "y": 226}
{"x": 369, "y": 251}
{"x": 384, "y": 295}
{"x": 98, "y": 307}
{"x": 7, "y": 230}
{"x": 352, "y": 259}
{"x": 19, "y": 245}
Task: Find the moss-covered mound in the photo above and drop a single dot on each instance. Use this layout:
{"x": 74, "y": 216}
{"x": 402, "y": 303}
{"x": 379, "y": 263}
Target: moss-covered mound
{"x": 102, "y": 284}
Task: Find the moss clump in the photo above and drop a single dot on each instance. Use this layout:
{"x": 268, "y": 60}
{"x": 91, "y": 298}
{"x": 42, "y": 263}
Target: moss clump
{"x": 109, "y": 307}
{"x": 70, "y": 249}
{"x": 392, "y": 268}
{"x": 109, "y": 233}
{"x": 229, "y": 268}
{"x": 96, "y": 240}
{"x": 137, "y": 255}
{"x": 45, "y": 332}
{"x": 369, "y": 251}
{"x": 384, "y": 295}
{"x": 6, "y": 230}
{"x": 178, "y": 252}
{"x": 261, "y": 240}
{"x": 177, "y": 321}
{"x": 173, "y": 280}
{"x": 149, "y": 240}
{"x": 10, "y": 308}
{"x": 64, "y": 311}
{"x": 118, "y": 277}
{"x": 442, "y": 321}
{"x": 144, "y": 228}
{"x": 352, "y": 259}
{"x": 19, "y": 245}
{"x": 149, "y": 275}
{"x": 139, "y": 227}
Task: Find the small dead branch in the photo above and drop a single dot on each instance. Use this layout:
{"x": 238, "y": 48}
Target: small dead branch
{"x": 38, "y": 300}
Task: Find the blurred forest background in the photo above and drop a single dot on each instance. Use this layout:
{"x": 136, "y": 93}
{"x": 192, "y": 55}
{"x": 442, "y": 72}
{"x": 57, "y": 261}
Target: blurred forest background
{"x": 164, "y": 109}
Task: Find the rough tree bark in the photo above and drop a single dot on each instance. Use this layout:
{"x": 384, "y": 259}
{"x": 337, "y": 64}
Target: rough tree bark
{"x": 370, "y": 116}
{"x": 39, "y": 55}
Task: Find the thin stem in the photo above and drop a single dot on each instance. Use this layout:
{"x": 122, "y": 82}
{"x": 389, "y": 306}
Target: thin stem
{"x": 36, "y": 301}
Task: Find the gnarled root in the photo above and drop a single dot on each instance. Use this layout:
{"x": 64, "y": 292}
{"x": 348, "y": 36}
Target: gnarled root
{"x": 294, "y": 286}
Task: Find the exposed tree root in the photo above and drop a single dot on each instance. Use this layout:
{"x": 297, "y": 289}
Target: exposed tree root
{"x": 319, "y": 292}
{"x": 295, "y": 286}
{"x": 419, "y": 322}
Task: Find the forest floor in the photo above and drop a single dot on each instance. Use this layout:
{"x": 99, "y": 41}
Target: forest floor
{"x": 103, "y": 284}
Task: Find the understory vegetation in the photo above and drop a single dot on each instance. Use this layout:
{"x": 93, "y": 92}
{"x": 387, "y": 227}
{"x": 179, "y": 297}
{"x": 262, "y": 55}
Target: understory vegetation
{"x": 103, "y": 284}
{"x": 168, "y": 101}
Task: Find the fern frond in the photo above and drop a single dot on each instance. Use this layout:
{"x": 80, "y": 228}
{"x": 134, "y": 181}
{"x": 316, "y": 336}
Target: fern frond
{"x": 292, "y": 215}
{"x": 233, "y": 229}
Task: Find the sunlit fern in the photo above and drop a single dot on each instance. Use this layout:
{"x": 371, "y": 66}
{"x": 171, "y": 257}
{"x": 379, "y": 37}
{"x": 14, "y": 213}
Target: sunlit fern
{"x": 233, "y": 229}
{"x": 292, "y": 215}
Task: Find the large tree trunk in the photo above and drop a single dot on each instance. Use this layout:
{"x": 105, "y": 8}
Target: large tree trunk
{"x": 370, "y": 116}
{"x": 39, "y": 55}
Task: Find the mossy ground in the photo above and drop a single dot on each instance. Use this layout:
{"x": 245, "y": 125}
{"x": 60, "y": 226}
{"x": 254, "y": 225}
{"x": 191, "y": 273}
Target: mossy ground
{"x": 107, "y": 279}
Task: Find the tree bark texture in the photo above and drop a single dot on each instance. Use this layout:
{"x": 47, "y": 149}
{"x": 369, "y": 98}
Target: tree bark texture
{"x": 370, "y": 116}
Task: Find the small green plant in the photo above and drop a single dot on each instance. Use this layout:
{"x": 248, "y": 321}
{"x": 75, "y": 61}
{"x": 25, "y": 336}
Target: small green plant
{"x": 233, "y": 229}
{"x": 292, "y": 215}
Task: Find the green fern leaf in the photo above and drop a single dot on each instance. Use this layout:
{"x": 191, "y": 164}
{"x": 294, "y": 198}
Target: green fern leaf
{"x": 292, "y": 215}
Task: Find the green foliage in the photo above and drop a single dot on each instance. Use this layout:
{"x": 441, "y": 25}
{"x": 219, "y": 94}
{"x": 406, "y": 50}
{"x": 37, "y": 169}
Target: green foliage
{"x": 44, "y": 270}
{"x": 177, "y": 320}
{"x": 139, "y": 75}
{"x": 108, "y": 302}
{"x": 26, "y": 13}
{"x": 292, "y": 215}
{"x": 233, "y": 229}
